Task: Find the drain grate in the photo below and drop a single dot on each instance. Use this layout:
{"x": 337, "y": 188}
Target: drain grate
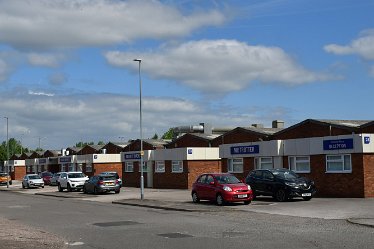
{"x": 116, "y": 223}
{"x": 175, "y": 235}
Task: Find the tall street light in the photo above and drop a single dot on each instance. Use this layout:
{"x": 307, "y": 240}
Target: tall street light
{"x": 7, "y": 150}
{"x": 141, "y": 134}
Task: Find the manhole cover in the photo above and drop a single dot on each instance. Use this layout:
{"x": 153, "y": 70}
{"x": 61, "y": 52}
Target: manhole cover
{"x": 175, "y": 235}
{"x": 116, "y": 223}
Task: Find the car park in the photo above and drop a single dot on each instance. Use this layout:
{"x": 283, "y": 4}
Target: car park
{"x": 113, "y": 173}
{"x": 54, "y": 179}
{"x": 71, "y": 181}
{"x": 46, "y": 176}
{"x": 220, "y": 188}
{"x": 282, "y": 184}
{"x": 32, "y": 180}
{"x": 5, "y": 178}
{"x": 102, "y": 183}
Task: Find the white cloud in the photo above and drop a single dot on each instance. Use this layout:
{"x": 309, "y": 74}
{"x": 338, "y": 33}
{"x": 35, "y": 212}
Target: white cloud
{"x": 45, "y": 60}
{"x": 363, "y": 46}
{"x": 218, "y": 66}
{"x": 46, "y": 24}
{"x": 41, "y": 93}
{"x": 66, "y": 120}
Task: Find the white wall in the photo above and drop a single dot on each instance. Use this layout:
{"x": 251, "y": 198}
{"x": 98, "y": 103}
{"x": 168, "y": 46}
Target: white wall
{"x": 266, "y": 148}
{"x": 189, "y": 153}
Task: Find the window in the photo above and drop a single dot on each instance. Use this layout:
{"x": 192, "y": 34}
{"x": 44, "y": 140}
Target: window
{"x": 338, "y": 164}
{"x": 80, "y": 167}
{"x": 88, "y": 167}
{"x": 299, "y": 164}
{"x": 209, "y": 179}
{"x": 264, "y": 162}
{"x": 177, "y": 166}
{"x": 160, "y": 167}
{"x": 145, "y": 167}
{"x": 235, "y": 165}
{"x": 71, "y": 167}
{"x": 129, "y": 167}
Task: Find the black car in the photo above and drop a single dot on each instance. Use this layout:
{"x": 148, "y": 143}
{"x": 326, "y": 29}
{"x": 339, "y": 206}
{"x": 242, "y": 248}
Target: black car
{"x": 101, "y": 183}
{"x": 282, "y": 184}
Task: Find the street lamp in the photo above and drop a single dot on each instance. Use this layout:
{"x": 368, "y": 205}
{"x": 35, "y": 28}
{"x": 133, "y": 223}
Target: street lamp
{"x": 141, "y": 134}
{"x": 7, "y": 149}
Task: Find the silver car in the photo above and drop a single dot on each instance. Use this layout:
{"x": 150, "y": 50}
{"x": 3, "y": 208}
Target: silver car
{"x": 32, "y": 180}
{"x": 54, "y": 179}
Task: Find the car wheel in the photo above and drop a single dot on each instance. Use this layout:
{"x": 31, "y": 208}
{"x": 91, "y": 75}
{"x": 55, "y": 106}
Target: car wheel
{"x": 308, "y": 198}
{"x": 27, "y": 186}
{"x": 69, "y": 188}
{"x": 247, "y": 202}
{"x": 10, "y": 183}
{"x": 280, "y": 195}
{"x": 60, "y": 189}
{"x": 42, "y": 186}
{"x": 195, "y": 198}
{"x": 219, "y": 200}
{"x": 117, "y": 191}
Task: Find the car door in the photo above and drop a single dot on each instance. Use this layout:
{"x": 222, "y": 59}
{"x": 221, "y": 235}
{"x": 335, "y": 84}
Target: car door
{"x": 255, "y": 181}
{"x": 200, "y": 187}
{"x": 63, "y": 180}
{"x": 90, "y": 184}
{"x": 268, "y": 182}
{"x": 210, "y": 188}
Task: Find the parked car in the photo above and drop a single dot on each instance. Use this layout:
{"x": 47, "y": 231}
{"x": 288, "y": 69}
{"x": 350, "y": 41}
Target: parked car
{"x": 5, "y": 178}
{"x": 46, "y": 176}
{"x": 281, "y": 184}
{"x": 32, "y": 180}
{"x": 220, "y": 188}
{"x": 71, "y": 181}
{"x": 114, "y": 174}
{"x": 102, "y": 183}
{"x": 54, "y": 179}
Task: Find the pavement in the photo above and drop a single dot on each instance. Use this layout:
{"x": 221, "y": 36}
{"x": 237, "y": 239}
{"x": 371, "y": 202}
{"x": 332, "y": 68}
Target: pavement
{"x": 358, "y": 211}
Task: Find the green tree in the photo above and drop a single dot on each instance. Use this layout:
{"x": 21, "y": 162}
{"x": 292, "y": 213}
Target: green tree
{"x": 155, "y": 136}
{"x": 169, "y": 134}
{"x": 82, "y": 144}
{"x": 101, "y": 143}
{"x": 15, "y": 147}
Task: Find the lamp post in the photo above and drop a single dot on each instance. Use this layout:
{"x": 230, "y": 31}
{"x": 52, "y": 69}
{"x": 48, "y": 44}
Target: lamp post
{"x": 141, "y": 133}
{"x": 7, "y": 149}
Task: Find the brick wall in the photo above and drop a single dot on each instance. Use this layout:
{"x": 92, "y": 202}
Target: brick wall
{"x": 337, "y": 184}
{"x": 19, "y": 173}
{"x": 171, "y": 180}
{"x": 248, "y": 165}
{"x": 132, "y": 179}
{"x": 98, "y": 168}
{"x": 369, "y": 175}
{"x": 195, "y": 168}
{"x": 367, "y": 129}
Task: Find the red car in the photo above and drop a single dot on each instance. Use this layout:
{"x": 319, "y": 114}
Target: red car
{"x": 221, "y": 188}
{"x": 46, "y": 176}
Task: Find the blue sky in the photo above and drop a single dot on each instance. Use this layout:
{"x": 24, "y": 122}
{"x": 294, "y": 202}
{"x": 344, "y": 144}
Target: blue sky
{"x": 67, "y": 72}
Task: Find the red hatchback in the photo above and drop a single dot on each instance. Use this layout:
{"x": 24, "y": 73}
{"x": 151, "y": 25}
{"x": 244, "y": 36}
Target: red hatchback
{"x": 221, "y": 188}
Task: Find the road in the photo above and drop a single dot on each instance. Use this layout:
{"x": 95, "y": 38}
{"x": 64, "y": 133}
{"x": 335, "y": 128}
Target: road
{"x": 90, "y": 224}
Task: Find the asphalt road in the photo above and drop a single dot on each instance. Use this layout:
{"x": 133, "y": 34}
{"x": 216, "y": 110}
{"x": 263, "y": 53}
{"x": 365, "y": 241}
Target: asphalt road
{"x": 90, "y": 224}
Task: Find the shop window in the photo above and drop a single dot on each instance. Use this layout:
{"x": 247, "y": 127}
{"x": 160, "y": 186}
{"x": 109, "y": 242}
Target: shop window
{"x": 160, "y": 167}
{"x": 177, "y": 166}
{"x": 71, "y": 167}
{"x": 80, "y": 167}
{"x": 235, "y": 165}
{"x": 338, "y": 164}
{"x": 264, "y": 163}
{"x": 299, "y": 164}
{"x": 129, "y": 167}
{"x": 88, "y": 167}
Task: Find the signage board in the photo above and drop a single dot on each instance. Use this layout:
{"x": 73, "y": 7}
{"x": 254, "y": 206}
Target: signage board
{"x": 132, "y": 156}
{"x": 338, "y": 144}
{"x": 249, "y": 149}
{"x": 367, "y": 140}
{"x": 65, "y": 159}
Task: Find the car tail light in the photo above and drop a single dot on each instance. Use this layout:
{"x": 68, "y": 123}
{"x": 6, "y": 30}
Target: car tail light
{"x": 101, "y": 183}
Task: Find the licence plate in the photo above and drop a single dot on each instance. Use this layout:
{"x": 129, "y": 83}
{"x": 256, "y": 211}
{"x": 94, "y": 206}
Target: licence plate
{"x": 306, "y": 194}
{"x": 109, "y": 184}
{"x": 242, "y": 196}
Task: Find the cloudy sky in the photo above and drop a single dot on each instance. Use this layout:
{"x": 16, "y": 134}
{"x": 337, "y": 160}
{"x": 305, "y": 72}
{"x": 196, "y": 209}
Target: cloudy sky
{"x": 67, "y": 72}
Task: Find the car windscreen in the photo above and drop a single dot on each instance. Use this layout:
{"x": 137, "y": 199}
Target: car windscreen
{"x": 47, "y": 174}
{"x": 76, "y": 175}
{"x": 227, "y": 179}
{"x": 34, "y": 177}
{"x": 287, "y": 175}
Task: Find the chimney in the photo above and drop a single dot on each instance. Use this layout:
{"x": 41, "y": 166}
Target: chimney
{"x": 277, "y": 124}
{"x": 258, "y": 125}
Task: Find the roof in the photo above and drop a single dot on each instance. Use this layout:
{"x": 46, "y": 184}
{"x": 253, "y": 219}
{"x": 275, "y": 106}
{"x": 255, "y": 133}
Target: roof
{"x": 155, "y": 142}
{"x": 348, "y": 123}
{"x": 264, "y": 131}
{"x": 120, "y": 144}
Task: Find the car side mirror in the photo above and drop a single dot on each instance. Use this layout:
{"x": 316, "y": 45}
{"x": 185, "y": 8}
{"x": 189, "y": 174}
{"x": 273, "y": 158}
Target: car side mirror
{"x": 211, "y": 183}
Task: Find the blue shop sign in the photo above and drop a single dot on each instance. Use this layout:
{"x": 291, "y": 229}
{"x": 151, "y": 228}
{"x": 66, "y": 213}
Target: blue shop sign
{"x": 249, "y": 149}
{"x": 65, "y": 159}
{"x": 338, "y": 144}
{"x": 42, "y": 160}
{"x": 132, "y": 156}
{"x": 189, "y": 151}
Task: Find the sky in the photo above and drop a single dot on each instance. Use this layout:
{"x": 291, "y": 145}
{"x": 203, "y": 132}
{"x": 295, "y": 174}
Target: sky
{"x": 67, "y": 69}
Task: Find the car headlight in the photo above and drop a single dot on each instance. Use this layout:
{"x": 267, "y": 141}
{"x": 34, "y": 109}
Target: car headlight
{"x": 226, "y": 188}
{"x": 291, "y": 184}
{"x": 249, "y": 187}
